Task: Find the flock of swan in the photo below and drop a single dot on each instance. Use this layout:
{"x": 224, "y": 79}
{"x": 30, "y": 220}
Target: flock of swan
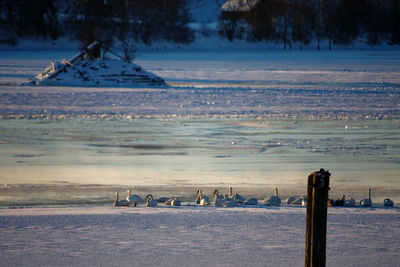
{"x": 132, "y": 200}
{"x": 230, "y": 200}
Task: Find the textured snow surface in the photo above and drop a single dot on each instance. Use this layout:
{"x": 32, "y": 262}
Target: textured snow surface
{"x": 148, "y": 101}
{"x": 193, "y": 236}
{"x": 364, "y": 83}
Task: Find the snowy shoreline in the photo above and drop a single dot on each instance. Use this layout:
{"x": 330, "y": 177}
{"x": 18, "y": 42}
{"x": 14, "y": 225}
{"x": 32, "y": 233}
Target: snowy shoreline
{"x": 193, "y": 236}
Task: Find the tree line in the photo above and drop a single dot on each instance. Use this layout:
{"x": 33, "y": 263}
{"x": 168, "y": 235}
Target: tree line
{"x": 281, "y": 21}
{"x": 86, "y": 20}
{"x": 301, "y": 21}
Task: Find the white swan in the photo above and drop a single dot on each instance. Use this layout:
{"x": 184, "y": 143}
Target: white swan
{"x": 120, "y": 203}
{"x": 340, "y": 202}
{"x": 366, "y": 202}
{"x": 302, "y": 201}
{"x": 337, "y": 202}
{"x": 202, "y": 200}
{"x": 229, "y": 195}
{"x": 217, "y": 195}
{"x": 290, "y": 200}
{"x": 175, "y": 202}
{"x": 388, "y": 202}
{"x": 251, "y": 201}
{"x": 273, "y": 200}
{"x": 150, "y": 202}
{"x": 162, "y": 199}
{"x": 349, "y": 202}
{"x": 221, "y": 202}
{"x": 237, "y": 198}
{"x": 134, "y": 199}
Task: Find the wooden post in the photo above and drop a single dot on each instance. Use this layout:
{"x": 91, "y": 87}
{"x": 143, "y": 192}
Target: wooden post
{"x": 316, "y": 218}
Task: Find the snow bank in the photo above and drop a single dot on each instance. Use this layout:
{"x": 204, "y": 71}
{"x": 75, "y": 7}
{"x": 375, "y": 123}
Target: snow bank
{"x": 102, "y": 72}
{"x": 193, "y": 236}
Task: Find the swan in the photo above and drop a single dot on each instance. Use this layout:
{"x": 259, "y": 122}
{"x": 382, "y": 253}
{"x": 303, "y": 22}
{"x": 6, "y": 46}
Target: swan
{"x": 340, "y": 202}
{"x": 168, "y": 202}
{"x": 251, "y": 201}
{"x": 388, "y": 203}
{"x": 217, "y": 195}
{"x": 337, "y": 202}
{"x": 175, "y": 202}
{"x": 221, "y": 202}
{"x": 302, "y": 201}
{"x": 202, "y": 200}
{"x": 290, "y": 200}
{"x": 366, "y": 202}
{"x": 273, "y": 200}
{"x": 349, "y": 202}
{"x": 330, "y": 202}
{"x": 120, "y": 203}
{"x": 162, "y": 199}
{"x": 229, "y": 195}
{"x": 236, "y": 198}
{"x": 134, "y": 199}
{"x": 150, "y": 201}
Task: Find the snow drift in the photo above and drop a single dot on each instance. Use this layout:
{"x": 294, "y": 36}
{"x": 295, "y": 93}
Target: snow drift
{"x": 88, "y": 68}
{"x": 101, "y": 72}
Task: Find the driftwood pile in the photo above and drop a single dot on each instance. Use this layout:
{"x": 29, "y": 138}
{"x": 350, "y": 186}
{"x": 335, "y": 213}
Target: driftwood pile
{"x": 88, "y": 69}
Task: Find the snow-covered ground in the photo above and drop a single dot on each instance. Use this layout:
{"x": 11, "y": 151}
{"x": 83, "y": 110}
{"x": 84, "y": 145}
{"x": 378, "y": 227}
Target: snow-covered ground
{"x": 192, "y": 236}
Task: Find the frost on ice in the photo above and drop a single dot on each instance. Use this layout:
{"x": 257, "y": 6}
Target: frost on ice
{"x": 88, "y": 69}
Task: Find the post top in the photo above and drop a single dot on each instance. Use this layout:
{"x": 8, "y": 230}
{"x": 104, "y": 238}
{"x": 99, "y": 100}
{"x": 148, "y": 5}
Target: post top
{"x": 320, "y": 179}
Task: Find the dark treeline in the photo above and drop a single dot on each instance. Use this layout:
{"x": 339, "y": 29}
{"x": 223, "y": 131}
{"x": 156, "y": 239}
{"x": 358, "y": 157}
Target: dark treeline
{"x": 86, "y": 20}
{"x": 301, "y": 21}
{"x": 281, "y": 21}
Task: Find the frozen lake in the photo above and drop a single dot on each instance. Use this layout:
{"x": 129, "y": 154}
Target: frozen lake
{"x": 257, "y": 153}
{"x": 250, "y": 119}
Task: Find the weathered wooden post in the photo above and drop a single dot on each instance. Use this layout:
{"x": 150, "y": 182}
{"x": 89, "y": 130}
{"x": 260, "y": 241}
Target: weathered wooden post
{"x": 316, "y": 218}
